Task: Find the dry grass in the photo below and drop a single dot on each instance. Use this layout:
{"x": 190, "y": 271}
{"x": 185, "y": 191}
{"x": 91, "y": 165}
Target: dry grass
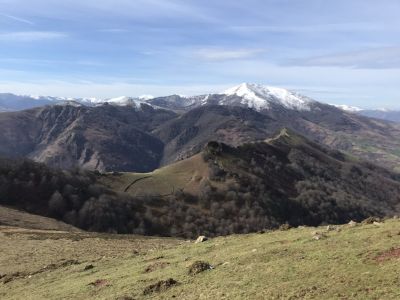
{"x": 184, "y": 175}
{"x": 274, "y": 265}
{"x": 17, "y": 218}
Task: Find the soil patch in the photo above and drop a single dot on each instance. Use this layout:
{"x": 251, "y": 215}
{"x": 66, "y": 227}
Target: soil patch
{"x": 160, "y": 286}
{"x": 198, "y": 267}
{"x": 156, "y": 266}
{"x": 100, "y": 283}
{"x": 387, "y": 255}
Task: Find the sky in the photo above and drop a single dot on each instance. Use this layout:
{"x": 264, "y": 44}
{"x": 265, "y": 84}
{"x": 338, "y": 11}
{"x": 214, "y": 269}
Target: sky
{"x": 340, "y": 52}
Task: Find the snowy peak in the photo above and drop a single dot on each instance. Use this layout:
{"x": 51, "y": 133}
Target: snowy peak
{"x": 118, "y": 101}
{"x": 261, "y": 97}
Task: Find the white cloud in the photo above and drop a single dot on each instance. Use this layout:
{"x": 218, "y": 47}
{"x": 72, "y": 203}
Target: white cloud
{"x": 30, "y": 36}
{"x": 220, "y": 54}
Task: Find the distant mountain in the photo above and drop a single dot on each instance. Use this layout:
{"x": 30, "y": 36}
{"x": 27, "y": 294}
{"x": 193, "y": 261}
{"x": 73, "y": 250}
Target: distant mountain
{"x": 11, "y": 102}
{"x": 388, "y": 115}
{"x": 104, "y": 137}
{"x": 383, "y": 114}
{"x": 184, "y": 125}
{"x": 254, "y": 96}
{"x": 260, "y": 97}
{"x": 361, "y": 136}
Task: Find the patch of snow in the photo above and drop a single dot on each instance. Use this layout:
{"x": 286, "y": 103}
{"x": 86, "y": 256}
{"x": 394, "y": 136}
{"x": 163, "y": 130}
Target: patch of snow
{"x": 126, "y": 101}
{"x": 146, "y": 97}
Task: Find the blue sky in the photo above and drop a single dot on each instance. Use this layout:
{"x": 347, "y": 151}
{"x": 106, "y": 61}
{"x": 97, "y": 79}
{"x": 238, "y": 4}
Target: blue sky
{"x": 338, "y": 51}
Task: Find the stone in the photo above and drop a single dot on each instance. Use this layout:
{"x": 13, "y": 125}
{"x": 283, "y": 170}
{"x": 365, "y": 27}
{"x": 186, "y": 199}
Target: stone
{"x": 201, "y": 239}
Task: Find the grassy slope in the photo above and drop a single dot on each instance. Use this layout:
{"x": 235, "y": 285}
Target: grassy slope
{"x": 274, "y": 265}
{"x": 13, "y": 217}
{"x": 185, "y": 175}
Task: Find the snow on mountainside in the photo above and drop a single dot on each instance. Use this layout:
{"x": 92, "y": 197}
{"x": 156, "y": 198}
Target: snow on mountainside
{"x": 260, "y": 97}
{"x": 125, "y": 101}
{"x": 348, "y": 107}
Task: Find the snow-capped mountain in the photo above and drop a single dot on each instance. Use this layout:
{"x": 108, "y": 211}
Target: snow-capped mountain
{"x": 122, "y": 101}
{"x": 261, "y": 97}
{"x": 255, "y": 96}
{"x": 11, "y": 102}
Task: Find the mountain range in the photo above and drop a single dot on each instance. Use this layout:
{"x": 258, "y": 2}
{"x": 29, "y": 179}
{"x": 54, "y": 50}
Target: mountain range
{"x": 129, "y": 134}
{"x": 249, "y": 158}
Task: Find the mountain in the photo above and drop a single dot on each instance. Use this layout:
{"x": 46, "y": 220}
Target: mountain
{"x": 222, "y": 190}
{"x": 383, "y": 114}
{"x": 283, "y": 179}
{"x": 11, "y": 102}
{"x": 190, "y": 132}
{"x": 260, "y": 97}
{"x": 234, "y": 123}
{"x": 245, "y": 113}
{"x": 249, "y": 95}
{"x": 105, "y": 137}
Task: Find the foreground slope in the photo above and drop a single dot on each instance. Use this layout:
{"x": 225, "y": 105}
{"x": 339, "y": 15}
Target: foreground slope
{"x": 346, "y": 262}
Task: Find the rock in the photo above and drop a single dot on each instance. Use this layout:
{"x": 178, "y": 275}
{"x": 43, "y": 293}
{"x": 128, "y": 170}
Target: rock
{"x": 198, "y": 267}
{"x": 352, "y": 223}
{"x": 318, "y": 235}
{"x": 201, "y": 239}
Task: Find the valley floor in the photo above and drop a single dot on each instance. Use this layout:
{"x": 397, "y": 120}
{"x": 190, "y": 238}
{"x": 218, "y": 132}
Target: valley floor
{"x": 339, "y": 262}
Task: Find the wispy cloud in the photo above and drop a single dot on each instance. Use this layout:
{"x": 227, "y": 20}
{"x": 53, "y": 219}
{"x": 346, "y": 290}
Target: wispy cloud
{"x": 17, "y": 19}
{"x": 375, "y": 58}
{"x": 221, "y": 54}
{"x": 314, "y": 28}
{"x": 31, "y": 36}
